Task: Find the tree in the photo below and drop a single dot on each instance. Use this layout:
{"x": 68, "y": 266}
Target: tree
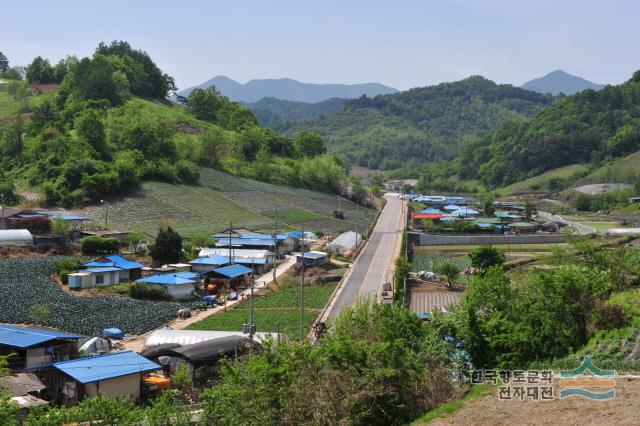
{"x": 583, "y": 202}
{"x": 529, "y": 209}
{"x": 485, "y": 257}
{"x": 39, "y": 71}
{"x": 489, "y": 208}
{"x": 309, "y": 144}
{"x": 450, "y": 271}
{"x": 4, "y": 62}
{"x": 167, "y": 247}
{"x": 39, "y": 314}
{"x": 90, "y": 129}
{"x": 205, "y": 103}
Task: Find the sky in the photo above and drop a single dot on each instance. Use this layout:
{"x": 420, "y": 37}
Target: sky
{"x": 400, "y": 43}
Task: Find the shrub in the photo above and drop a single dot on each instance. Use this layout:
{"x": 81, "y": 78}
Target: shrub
{"x": 99, "y": 245}
{"x": 148, "y": 292}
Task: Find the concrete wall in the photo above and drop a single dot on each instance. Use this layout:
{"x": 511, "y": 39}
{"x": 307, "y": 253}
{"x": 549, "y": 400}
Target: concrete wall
{"x": 424, "y": 239}
{"x": 108, "y": 278}
{"x": 128, "y": 386}
{"x": 182, "y": 291}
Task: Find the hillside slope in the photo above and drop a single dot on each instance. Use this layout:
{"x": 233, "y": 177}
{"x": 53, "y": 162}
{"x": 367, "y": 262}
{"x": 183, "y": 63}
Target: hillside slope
{"x": 422, "y": 124}
{"x": 288, "y": 89}
{"x": 558, "y": 81}
{"x": 279, "y": 114}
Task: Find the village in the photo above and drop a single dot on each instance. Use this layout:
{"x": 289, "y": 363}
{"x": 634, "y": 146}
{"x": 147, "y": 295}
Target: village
{"x": 150, "y": 320}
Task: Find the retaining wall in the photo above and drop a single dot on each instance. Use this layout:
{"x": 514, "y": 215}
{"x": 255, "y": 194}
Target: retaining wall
{"x": 425, "y": 239}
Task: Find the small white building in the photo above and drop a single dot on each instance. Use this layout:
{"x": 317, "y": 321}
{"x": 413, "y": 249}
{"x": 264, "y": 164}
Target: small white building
{"x": 15, "y": 238}
{"x": 94, "y": 277}
{"x": 180, "y": 285}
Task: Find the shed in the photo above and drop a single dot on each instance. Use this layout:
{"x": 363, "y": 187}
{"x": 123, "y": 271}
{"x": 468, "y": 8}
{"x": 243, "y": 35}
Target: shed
{"x": 345, "y": 242}
{"x": 233, "y": 271}
{"x": 188, "y": 337}
{"x": 208, "y": 264}
{"x": 178, "y": 285}
{"x": 35, "y": 346}
{"x": 238, "y": 254}
{"x": 15, "y": 238}
{"x": 129, "y": 270}
{"x": 313, "y": 258}
{"x": 94, "y": 277}
{"x": 115, "y": 374}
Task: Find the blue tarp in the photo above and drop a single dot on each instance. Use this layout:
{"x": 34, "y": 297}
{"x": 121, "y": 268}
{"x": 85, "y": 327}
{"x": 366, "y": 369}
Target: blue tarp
{"x": 104, "y": 367}
{"x": 114, "y": 333}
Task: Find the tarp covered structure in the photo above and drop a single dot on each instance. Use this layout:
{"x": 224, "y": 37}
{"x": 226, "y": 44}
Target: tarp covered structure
{"x": 345, "y": 242}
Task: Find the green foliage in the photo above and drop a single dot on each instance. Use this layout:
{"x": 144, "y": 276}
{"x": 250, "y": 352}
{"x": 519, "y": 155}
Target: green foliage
{"x": 384, "y": 351}
{"x": 94, "y": 244}
{"x": 309, "y": 144}
{"x": 61, "y": 228}
{"x": 420, "y": 125}
{"x": 39, "y": 314}
{"x": 604, "y": 201}
{"x": 39, "y": 71}
{"x": 144, "y": 291}
{"x": 449, "y": 270}
{"x": 209, "y": 105}
{"x": 4, "y": 63}
{"x": 281, "y": 114}
{"x": 8, "y": 194}
{"x": 167, "y": 247}
{"x": 485, "y": 257}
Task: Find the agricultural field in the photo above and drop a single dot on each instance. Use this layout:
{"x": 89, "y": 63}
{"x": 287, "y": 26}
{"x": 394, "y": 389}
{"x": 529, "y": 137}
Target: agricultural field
{"x": 27, "y": 282}
{"x": 222, "y": 199}
{"x": 278, "y": 311}
{"x": 425, "y": 260}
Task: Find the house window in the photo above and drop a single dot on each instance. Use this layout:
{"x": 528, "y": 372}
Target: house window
{"x": 99, "y": 279}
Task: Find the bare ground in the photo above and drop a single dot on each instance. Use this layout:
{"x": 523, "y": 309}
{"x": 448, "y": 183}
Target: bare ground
{"x": 624, "y": 409}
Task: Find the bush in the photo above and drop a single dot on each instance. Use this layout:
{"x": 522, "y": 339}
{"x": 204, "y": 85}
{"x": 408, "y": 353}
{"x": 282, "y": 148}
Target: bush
{"x": 99, "y": 245}
{"x": 148, "y": 292}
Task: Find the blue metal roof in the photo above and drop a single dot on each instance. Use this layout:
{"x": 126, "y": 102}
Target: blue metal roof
{"x": 225, "y": 242}
{"x": 24, "y": 337}
{"x": 117, "y": 261}
{"x": 105, "y": 367}
{"x": 166, "y": 279}
{"x": 313, "y": 255}
{"x": 211, "y": 260}
{"x": 233, "y": 271}
{"x": 103, "y": 269}
{"x": 70, "y": 217}
{"x": 279, "y": 237}
{"x": 296, "y": 234}
{"x": 187, "y": 275}
{"x": 431, "y": 211}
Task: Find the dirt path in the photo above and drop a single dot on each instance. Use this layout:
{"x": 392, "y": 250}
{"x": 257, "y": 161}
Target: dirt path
{"x": 624, "y": 409}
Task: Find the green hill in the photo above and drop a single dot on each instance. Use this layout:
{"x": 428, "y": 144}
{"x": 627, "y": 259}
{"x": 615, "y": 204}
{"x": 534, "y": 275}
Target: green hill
{"x": 422, "y": 124}
{"x": 589, "y": 127}
{"x": 281, "y": 114}
{"x": 109, "y": 127}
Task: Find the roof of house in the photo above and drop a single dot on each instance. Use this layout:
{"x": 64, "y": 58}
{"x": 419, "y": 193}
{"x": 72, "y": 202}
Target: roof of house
{"x": 214, "y": 259}
{"x": 114, "y": 260}
{"x": 430, "y": 211}
{"x": 425, "y": 216}
{"x": 22, "y": 383}
{"x": 225, "y": 242}
{"x": 103, "y": 269}
{"x": 237, "y": 253}
{"x": 233, "y": 271}
{"x": 167, "y": 279}
{"x": 187, "y": 275}
{"x": 24, "y": 337}
{"x": 313, "y": 255}
{"x": 106, "y": 367}
{"x": 279, "y": 237}
{"x": 244, "y": 261}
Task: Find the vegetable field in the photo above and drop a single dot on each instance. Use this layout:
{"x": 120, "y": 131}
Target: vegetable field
{"x": 222, "y": 199}
{"x": 276, "y": 312}
{"x": 27, "y": 282}
{"x": 428, "y": 260}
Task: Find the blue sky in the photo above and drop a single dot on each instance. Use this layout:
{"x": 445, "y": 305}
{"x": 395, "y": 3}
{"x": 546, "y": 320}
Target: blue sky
{"x": 399, "y": 43}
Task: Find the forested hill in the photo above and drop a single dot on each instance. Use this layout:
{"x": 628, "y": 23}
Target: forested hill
{"x": 280, "y": 114}
{"x": 589, "y": 127}
{"x": 109, "y": 126}
{"x": 558, "y": 81}
{"x": 422, "y": 124}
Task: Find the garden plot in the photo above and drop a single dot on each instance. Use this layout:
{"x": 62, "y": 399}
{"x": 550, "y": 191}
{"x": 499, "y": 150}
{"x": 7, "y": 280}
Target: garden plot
{"x": 27, "y": 282}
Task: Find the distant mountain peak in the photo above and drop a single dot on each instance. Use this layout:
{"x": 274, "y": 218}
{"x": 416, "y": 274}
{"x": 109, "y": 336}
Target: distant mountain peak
{"x": 289, "y": 89}
{"x": 559, "y": 81}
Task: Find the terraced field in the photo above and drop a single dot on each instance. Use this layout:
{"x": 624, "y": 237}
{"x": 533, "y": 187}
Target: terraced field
{"x": 223, "y": 199}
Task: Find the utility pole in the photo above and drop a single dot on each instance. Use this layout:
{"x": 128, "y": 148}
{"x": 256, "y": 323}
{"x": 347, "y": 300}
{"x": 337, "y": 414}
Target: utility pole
{"x": 230, "y": 249}
{"x": 275, "y": 242}
{"x": 302, "y": 294}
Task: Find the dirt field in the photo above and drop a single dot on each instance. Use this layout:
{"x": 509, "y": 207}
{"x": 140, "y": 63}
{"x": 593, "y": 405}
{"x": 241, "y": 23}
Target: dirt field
{"x": 624, "y": 409}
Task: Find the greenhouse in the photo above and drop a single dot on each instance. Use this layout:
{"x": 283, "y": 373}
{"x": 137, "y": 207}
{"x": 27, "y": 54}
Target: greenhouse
{"x": 345, "y": 242}
{"x": 15, "y": 238}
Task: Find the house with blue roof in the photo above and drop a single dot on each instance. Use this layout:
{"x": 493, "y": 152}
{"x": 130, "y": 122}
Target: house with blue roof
{"x": 97, "y": 276}
{"x": 312, "y": 258}
{"x": 35, "y": 346}
{"x": 129, "y": 270}
{"x": 117, "y": 374}
{"x": 179, "y": 285}
{"x": 209, "y": 263}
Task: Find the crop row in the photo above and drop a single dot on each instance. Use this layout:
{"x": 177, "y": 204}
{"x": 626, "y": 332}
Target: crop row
{"x": 27, "y": 282}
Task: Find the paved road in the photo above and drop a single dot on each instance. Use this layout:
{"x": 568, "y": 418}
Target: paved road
{"x": 370, "y": 269}
{"x": 581, "y": 228}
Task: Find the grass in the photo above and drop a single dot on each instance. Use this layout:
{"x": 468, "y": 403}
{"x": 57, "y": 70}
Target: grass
{"x": 451, "y": 407}
{"x": 565, "y": 172}
{"x": 601, "y": 226}
{"x": 9, "y": 106}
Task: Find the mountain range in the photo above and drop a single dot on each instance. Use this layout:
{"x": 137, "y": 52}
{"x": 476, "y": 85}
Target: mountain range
{"x": 288, "y": 89}
{"x": 558, "y": 81}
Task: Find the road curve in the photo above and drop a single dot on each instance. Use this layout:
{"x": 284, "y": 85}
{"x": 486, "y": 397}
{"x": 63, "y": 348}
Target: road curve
{"x": 369, "y": 271}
